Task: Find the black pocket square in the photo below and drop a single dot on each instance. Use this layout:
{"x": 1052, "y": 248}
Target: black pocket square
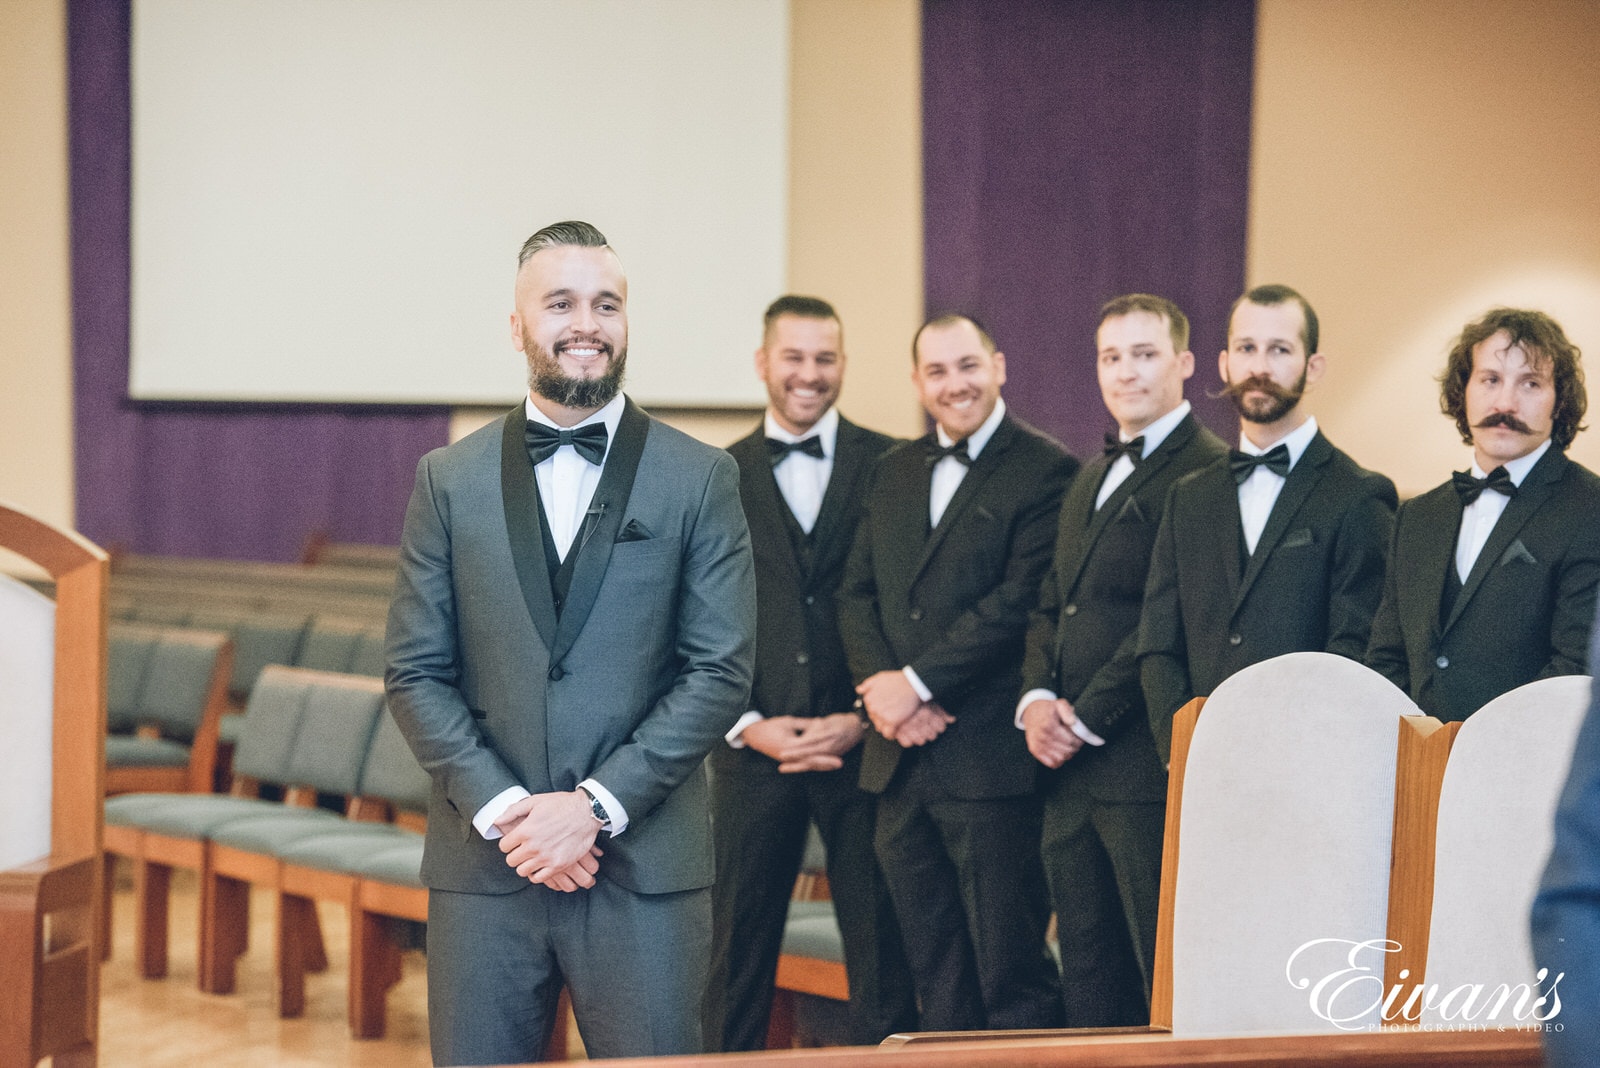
{"x": 1297, "y": 538}
{"x": 1517, "y": 551}
{"x": 1131, "y": 512}
{"x": 634, "y": 531}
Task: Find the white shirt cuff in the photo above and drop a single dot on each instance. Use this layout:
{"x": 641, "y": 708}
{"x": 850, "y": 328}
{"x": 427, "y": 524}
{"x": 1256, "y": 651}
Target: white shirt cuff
{"x": 613, "y": 807}
{"x": 484, "y": 820}
{"x": 1089, "y": 737}
{"x": 735, "y": 737}
{"x": 1029, "y": 698}
{"x": 916, "y": 683}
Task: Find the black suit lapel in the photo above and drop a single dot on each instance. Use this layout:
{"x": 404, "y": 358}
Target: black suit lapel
{"x": 519, "y": 494}
{"x": 987, "y": 463}
{"x": 848, "y": 468}
{"x": 1531, "y": 495}
{"x": 598, "y": 534}
{"x": 1078, "y": 509}
{"x": 1297, "y": 486}
{"x": 762, "y": 510}
{"x": 1438, "y": 521}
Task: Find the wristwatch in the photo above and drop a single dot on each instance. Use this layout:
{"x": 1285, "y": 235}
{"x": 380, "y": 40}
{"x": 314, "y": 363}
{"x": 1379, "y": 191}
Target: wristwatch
{"x": 596, "y": 809}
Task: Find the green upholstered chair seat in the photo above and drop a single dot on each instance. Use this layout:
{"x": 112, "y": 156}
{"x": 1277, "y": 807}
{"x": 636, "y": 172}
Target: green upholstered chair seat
{"x": 815, "y": 936}
{"x": 196, "y": 816}
{"x": 229, "y": 728}
{"x": 271, "y": 835}
{"x": 129, "y": 751}
{"x": 369, "y": 856}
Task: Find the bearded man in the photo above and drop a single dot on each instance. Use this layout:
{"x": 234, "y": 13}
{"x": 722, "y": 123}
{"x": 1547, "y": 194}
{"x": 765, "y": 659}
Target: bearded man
{"x": 572, "y": 630}
{"x": 1278, "y": 549}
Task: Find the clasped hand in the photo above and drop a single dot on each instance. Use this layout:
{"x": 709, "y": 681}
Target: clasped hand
{"x": 805, "y": 743}
{"x": 898, "y": 713}
{"x": 549, "y": 839}
{"x": 1048, "y": 725}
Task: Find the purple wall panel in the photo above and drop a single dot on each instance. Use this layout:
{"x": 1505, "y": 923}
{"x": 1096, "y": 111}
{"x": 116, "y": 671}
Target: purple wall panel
{"x": 1074, "y": 151}
{"x": 244, "y": 481}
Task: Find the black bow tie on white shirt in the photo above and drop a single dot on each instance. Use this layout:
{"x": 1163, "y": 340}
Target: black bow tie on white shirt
{"x": 544, "y": 440}
{"x": 957, "y": 452}
{"x": 1133, "y": 450}
{"x": 1470, "y": 489}
{"x": 777, "y": 450}
{"x": 1275, "y": 459}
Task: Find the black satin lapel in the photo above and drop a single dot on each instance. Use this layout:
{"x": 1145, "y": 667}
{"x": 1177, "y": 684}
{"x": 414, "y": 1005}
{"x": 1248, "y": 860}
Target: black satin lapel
{"x": 1531, "y": 495}
{"x": 762, "y": 510}
{"x": 1440, "y": 522}
{"x": 519, "y": 495}
{"x": 597, "y": 537}
{"x": 987, "y": 463}
{"x": 1301, "y": 480}
{"x": 1079, "y": 509}
{"x": 848, "y": 470}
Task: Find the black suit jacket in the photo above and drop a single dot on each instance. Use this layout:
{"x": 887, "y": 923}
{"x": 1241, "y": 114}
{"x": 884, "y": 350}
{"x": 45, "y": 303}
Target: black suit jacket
{"x": 800, "y": 661}
{"x": 1083, "y": 637}
{"x": 953, "y": 602}
{"x": 1524, "y": 611}
{"x": 1312, "y": 584}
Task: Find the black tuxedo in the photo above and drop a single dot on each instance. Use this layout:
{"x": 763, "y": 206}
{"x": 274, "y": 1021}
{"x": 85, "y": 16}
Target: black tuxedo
{"x": 957, "y": 822}
{"x": 1312, "y": 584}
{"x": 760, "y": 816}
{"x": 1104, "y": 811}
{"x": 1522, "y": 613}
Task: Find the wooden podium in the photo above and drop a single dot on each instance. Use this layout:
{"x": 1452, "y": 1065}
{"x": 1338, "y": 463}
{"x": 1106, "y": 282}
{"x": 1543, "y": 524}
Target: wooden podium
{"x": 50, "y": 851}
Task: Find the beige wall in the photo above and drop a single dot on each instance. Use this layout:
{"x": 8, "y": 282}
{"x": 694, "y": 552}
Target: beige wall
{"x": 1416, "y": 164}
{"x": 35, "y": 309}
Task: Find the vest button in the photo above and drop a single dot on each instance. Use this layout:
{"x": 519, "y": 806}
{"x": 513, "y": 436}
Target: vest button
{"x": 1071, "y": 610}
{"x": 1442, "y": 662}
{"x": 801, "y": 658}
{"x": 557, "y": 673}
{"x": 1235, "y": 639}
{"x": 810, "y": 599}
{"x": 916, "y": 613}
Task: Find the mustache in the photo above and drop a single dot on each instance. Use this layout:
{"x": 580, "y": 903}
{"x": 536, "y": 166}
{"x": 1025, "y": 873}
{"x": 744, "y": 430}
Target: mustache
{"x": 1505, "y": 419}
{"x": 1256, "y": 384}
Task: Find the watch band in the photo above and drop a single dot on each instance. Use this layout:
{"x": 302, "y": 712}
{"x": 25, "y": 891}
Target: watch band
{"x": 596, "y": 809}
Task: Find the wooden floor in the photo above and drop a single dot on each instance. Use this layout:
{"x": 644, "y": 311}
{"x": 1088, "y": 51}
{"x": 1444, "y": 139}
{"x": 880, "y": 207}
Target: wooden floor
{"x": 156, "y": 1023}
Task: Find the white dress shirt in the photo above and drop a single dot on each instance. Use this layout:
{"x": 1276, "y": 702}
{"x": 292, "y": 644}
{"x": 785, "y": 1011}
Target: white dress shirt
{"x": 942, "y": 486}
{"x": 1479, "y": 517}
{"x": 567, "y": 483}
{"x": 1154, "y": 434}
{"x": 1259, "y": 492}
{"x": 803, "y": 481}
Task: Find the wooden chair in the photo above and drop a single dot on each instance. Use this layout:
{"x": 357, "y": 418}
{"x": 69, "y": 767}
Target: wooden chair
{"x": 167, "y": 739}
{"x": 53, "y": 664}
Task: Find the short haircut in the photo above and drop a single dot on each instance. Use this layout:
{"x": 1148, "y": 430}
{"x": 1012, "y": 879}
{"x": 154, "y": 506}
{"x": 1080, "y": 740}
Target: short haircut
{"x": 951, "y": 319}
{"x": 1542, "y": 338}
{"x": 1271, "y": 295}
{"x": 1177, "y": 322}
{"x": 572, "y": 232}
{"x": 804, "y": 307}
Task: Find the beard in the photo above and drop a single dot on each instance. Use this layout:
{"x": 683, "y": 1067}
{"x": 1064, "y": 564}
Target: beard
{"x": 1280, "y": 400}
{"x": 548, "y": 380}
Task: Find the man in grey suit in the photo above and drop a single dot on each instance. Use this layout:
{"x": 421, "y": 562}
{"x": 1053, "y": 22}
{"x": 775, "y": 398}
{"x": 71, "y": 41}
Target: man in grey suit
{"x": 571, "y": 632}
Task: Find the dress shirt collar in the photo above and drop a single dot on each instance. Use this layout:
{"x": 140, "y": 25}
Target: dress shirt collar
{"x": 979, "y": 437}
{"x": 1518, "y": 469}
{"x": 1296, "y": 440}
{"x": 826, "y": 429}
{"x": 610, "y": 415}
{"x": 1158, "y": 431}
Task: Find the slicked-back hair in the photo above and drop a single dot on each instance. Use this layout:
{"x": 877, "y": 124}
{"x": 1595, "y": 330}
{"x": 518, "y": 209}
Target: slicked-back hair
{"x": 950, "y": 319}
{"x": 1127, "y": 304}
{"x": 571, "y": 232}
{"x": 804, "y": 307}
{"x": 1542, "y": 338}
{"x": 1269, "y": 296}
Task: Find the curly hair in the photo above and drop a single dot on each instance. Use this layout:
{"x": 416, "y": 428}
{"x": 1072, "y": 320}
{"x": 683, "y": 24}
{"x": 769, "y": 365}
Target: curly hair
{"x": 1542, "y": 338}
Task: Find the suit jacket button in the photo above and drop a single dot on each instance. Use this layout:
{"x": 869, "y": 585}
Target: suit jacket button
{"x": 810, "y": 599}
{"x": 1235, "y": 639}
{"x": 1442, "y": 662}
{"x": 916, "y": 613}
{"x": 1071, "y": 610}
{"x": 557, "y": 673}
{"x": 801, "y": 658}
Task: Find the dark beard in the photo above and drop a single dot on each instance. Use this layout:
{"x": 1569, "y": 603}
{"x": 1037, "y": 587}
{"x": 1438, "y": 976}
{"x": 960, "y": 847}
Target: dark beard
{"x": 549, "y": 381}
{"x": 1281, "y": 400}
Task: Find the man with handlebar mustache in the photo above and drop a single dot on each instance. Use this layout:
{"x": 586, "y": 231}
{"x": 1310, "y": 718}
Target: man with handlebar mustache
{"x": 1278, "y": 549}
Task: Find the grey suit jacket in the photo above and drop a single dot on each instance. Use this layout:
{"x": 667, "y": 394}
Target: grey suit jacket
{"x": 648, "y": 666}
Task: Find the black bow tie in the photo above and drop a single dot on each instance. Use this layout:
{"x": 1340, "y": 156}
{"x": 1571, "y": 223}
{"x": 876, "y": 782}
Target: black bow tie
{"x": 777, "y": 450}
{"x": 1275, "y": 459}
{"x": 1133, "y": 450}
{"x": 958, "y": 452}
{"x": 543, "y": 441}
{"x": 1470, "y": 489}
